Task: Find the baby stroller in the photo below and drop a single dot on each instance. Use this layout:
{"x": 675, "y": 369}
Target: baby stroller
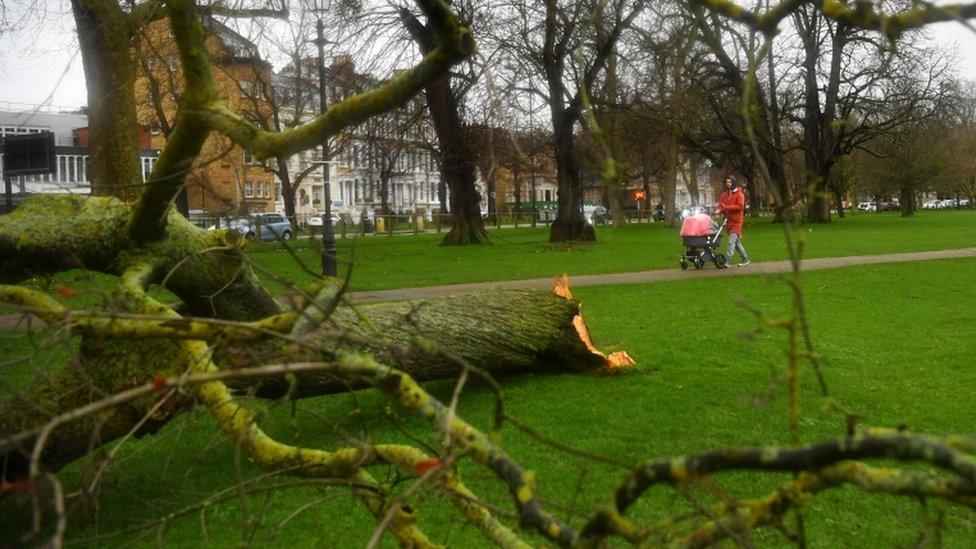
{"x": 701, "y": 235}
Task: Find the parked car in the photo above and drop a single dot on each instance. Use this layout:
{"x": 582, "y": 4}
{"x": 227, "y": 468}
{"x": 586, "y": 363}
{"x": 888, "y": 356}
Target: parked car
{"x": 890, "y": 206}
{"x": 266, "y": 227}
{"x": 317, "y": 219}
{"x": 596, "y": 214}
{"x": 867, "y": 206}
{"x": 933, "y": 204}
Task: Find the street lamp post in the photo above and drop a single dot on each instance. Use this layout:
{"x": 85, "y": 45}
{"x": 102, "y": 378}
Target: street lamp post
{"x": 531, "y": 143}
{"x": 329, "y": 263}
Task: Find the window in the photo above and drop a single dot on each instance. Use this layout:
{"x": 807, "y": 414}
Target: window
{"x": 151, "y": 62}
{"x": 248, "y": 189}
{"x": 248, "y": 157}
{"x": 245, "y": 87}
{"x": 267, "y": 189}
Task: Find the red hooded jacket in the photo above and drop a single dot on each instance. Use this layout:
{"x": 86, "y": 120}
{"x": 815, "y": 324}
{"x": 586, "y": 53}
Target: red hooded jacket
{"x": 733, "y": 204}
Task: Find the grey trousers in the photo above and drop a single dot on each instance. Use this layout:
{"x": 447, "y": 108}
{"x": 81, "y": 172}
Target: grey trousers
{"x": 735, "y": 245}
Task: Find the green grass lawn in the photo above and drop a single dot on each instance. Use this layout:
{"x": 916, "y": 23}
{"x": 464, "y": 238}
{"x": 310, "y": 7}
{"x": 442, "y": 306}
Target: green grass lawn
{"x": 381, "y": 262}
{"x": 898, "y": 343}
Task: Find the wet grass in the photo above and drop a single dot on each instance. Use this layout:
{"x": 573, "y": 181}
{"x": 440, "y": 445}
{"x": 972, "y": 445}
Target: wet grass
{"x": 897, "y": 342}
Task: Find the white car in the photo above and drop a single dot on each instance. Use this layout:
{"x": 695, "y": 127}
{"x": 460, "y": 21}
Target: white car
{"x": 867, "y": 207}
{"x": 317, "y": 219}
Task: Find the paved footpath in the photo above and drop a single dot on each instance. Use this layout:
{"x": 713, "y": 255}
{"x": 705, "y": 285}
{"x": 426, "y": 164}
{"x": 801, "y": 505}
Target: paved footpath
{"x": 660, "y": 275}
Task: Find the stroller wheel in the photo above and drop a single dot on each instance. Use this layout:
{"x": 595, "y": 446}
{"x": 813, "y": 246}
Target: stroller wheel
{"x": 699, "y": 263}
{"x": 684, "y": 264}
{"x": 721, "y": 261}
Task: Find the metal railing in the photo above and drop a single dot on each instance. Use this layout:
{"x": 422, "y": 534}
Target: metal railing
{"x": 407, "y": 223}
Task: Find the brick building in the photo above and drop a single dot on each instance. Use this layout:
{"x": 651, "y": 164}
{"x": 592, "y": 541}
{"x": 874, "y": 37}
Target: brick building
{"x": 225, "y": 177}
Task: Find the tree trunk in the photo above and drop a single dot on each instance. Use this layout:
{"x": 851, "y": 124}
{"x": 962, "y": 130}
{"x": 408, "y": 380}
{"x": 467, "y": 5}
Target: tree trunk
{"x": 570, "y": 225}
{"x": 691, "y": 181}
{"x": 384, "y": 194}
{"x": 754, "y": 195}
{"x": 457, "y": 155}
{"x": 289, "y": 191}
{"x": 906, "y": 201}
{"x": 104, "y": 35}
{"x": 669, "y": 189}
{"x": 530, "y": 331}
{"x": 517, "y": 184}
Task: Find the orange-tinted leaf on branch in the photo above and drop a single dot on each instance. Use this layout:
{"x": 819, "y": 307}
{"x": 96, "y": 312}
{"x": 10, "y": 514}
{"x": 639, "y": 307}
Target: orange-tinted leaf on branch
{"x": 65, "y": 290}
{"x": 16, "y": 485}
{"x": 159, "y": 381}
{"x": 426, "y": 465}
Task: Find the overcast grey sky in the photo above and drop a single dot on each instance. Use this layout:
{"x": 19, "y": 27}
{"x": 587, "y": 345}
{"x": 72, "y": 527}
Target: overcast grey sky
{"x": 34, "y": 71}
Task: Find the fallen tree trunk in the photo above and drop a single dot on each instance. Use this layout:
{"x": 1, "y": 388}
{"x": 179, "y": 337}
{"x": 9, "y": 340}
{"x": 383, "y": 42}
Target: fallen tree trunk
{"x": 499, "y": 332}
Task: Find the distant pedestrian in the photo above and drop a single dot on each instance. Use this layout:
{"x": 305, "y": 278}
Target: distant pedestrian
{"x": 732, "y": 204}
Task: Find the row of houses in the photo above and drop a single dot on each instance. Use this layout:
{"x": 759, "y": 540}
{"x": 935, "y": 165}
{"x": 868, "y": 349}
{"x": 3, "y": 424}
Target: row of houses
{"x": 388, "y": 164}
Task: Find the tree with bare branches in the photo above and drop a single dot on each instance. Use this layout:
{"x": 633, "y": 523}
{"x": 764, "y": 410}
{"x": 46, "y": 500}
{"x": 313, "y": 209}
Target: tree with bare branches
{"x": 217, "y": 338}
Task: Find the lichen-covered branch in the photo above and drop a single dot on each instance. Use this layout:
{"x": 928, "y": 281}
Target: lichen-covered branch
{"x": 861, "y": 15}
{"x": 454, "y": 43}
{"x": 52, "y": 233}
{"x": 873, "y": 444}
{"x": 771, "y": 508}
{"x": 201, "y": 110}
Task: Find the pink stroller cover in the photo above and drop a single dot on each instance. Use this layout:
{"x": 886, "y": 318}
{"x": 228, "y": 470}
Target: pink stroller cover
{"x": 696, "y": 225}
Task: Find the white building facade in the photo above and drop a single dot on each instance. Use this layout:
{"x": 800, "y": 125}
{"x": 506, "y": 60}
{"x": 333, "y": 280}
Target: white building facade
{"x": 72, "y": 164}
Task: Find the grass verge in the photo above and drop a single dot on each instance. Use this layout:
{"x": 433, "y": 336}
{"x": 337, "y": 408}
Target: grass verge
{"x": 897, "y": 342}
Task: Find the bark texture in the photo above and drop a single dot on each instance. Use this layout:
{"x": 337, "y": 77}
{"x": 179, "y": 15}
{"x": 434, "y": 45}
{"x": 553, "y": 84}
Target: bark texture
{"x": 457, "y": 156}
{"x": 104, "y": 34}
{"x": 500, "y": 332}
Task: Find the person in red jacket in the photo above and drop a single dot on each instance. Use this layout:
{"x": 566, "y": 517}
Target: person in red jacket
{"x": 732, "y": 203}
